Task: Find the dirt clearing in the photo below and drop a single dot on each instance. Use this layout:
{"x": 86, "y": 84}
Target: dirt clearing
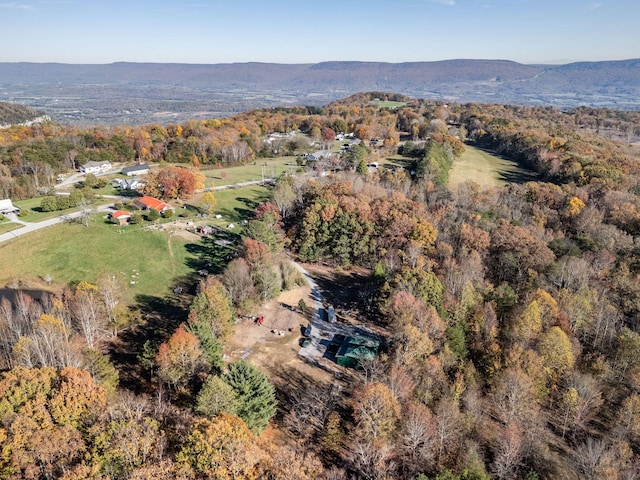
{"x": 274, "y": 346}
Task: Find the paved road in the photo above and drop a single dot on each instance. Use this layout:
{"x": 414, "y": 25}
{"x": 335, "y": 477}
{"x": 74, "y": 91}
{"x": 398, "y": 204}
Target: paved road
{"x": 28, "y": 227}
{"x": 241, "y": 184}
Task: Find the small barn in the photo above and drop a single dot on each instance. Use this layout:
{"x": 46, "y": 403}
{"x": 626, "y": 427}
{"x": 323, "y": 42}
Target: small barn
{"x": 357, "y": 349}
{"x": 120, "y": 217}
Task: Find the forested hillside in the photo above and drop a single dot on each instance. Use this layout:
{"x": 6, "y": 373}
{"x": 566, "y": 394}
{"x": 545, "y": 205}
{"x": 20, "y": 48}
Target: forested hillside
{"x": 510, "y": 316}
{"x": 14, "y": 114}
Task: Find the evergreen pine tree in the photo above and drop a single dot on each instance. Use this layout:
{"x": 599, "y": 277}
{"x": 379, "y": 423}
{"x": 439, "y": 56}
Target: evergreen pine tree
{"x": 256, "y": 397}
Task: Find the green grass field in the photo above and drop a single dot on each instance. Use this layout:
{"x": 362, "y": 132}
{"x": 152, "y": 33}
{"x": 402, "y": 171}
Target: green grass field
{"x": 234, "y": 204}
{"x": 272, "y": 167}
{"x": 152, "y": 259}
{"x": 9, "y": 227}
{"x": 71, "y": 252}
{"x": 383, "y": 104}
{"x": 486, "y": 169}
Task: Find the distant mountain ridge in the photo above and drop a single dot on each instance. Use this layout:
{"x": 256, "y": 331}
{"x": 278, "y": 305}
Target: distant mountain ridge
{"x": 143, "y": 92}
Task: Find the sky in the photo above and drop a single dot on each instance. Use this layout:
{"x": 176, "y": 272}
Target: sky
{"x": 311, "y": 31}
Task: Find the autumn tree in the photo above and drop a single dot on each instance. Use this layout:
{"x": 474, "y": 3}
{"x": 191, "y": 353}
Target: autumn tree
{"x": 209, "y": 200}
{"x": 284, "y": 462}
{"x": 518, "y": 250}
{"x": 179, "y": 358}
{"x": 43, "y": 410}
{"x": 130, "y": 439}
{"x": 266, "y": 229}
{"x": 171, "y": 182}
{"x": 101, "y": 369}
{"x": 77, "y": 397}
{"x": 210, "y": 319}
{"x": 377, "y": 412}
{"x": 557, "y": 354}
{"x": 221, "y": 448}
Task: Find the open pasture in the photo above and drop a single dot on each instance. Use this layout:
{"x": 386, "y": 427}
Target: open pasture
{"x": 486, "y": 169}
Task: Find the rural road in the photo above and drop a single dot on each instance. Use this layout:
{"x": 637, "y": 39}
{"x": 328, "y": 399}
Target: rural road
{"x": 29, "y": 227}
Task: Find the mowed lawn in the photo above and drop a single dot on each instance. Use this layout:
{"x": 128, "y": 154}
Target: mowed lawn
{"x": 234, "y": 204}
{"x": 486, "y": 169}
{"x": 147, "y": 261}
{"x": 270, "y": 167}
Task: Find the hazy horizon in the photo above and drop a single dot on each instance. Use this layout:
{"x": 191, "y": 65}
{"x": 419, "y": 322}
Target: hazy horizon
{"x": 288, "y": 32}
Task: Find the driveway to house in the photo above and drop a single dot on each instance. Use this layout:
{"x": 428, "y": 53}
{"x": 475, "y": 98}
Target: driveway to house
{"x": 320, "y": 331}
{"x": 79, "y": 177}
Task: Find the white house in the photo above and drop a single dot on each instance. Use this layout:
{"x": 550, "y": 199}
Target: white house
{"x": 95, "y": 167}
{"x": 6, "y": 206}
{"x": 141, "y": 169}
{"x": 127, "y": 184}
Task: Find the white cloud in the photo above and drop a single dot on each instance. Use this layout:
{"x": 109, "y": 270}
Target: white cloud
{"x": 449, "y": 3}
{"x": 593, "y": 6}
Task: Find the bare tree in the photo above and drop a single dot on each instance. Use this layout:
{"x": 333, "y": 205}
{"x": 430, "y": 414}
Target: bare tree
{"x": 588, "y": 458}
{"x": 372, "y": 459}
{"x": 88, "y": 315}
{"x": 27, "y": 311}
{"x": 512, "y": 399}
{"x": 50, "y": 343}
{"x": 588, "y": 401}
{"x": 448, "y": 428}
{"x": 237, "y": 280}
{"x": 110, "y": 288}
{"x": 85, "y": 212}
{"x": 418, "y": 438}
{"x": 310, "y": 408}
{"x": 7, "y": 334}
{"x": 508, "y": 452}
{"x": 284, "y": 195}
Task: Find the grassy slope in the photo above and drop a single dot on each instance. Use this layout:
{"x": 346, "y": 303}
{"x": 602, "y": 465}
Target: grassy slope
{"x": 387, "y": 104}
{"x": 71, "y": 252}
{"x": 486, "y": 170}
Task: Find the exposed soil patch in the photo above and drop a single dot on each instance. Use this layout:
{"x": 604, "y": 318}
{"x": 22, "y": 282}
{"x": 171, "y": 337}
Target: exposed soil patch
{"x": 274, "y": 346}
{"x": 181, "y": 229}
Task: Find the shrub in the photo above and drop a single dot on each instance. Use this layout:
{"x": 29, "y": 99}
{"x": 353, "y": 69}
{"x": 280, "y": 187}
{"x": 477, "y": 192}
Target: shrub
{"x": 153, "y": 215}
